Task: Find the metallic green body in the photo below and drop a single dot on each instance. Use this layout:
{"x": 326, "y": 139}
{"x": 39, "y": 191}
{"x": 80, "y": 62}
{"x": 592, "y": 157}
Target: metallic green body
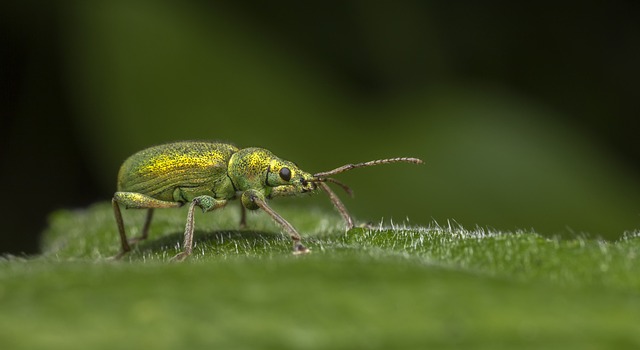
{"x": 181, "y": 171}
{"x": 208, "y": 175}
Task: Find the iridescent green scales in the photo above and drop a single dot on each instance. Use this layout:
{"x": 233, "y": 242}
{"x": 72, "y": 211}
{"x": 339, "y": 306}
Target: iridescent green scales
{"x": 158, "y": 171}
{"x": 209, "y": 174}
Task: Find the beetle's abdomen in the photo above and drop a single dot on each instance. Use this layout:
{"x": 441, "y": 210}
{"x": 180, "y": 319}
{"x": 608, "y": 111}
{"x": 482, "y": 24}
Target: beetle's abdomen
{"x": 159, "y": 170}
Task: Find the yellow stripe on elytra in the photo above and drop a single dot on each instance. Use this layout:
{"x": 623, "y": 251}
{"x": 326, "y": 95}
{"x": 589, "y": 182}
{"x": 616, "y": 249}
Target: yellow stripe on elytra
{"x": 165, "y": 162}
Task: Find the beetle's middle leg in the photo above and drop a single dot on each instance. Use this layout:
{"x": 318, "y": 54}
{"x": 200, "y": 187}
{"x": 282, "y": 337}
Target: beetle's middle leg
{"x": 206, "y": 203}
{"x": 243, "y": 216}
{"x": 137, "y": 201}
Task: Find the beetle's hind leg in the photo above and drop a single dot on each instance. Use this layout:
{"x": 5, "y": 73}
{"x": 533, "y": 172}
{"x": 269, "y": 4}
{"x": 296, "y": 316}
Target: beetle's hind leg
{"x": 137, "y": 201}
{"x": 123, "y": 236}
{"x": 145, "y": 228}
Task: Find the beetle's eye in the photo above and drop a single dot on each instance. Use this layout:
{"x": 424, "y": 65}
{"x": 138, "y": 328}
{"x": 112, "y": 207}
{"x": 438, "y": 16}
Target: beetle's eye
{"x": 285, "y": 174}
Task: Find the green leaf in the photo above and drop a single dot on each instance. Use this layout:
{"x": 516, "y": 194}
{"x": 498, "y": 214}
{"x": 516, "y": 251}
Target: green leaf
{"x": 392, "y": 285}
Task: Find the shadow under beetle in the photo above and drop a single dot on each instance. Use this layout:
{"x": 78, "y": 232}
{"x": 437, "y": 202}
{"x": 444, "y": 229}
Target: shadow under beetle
{"x": 208, "y": 174}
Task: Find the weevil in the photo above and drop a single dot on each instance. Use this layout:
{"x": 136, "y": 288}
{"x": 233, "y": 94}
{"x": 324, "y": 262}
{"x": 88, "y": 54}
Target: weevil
{"x": 208, "y": 175}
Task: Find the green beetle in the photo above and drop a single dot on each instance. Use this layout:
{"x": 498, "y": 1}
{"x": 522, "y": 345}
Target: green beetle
{"x": 208, "y": 175}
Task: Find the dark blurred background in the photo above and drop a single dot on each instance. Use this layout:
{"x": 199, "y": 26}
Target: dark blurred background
{"x": 526, "y": 114}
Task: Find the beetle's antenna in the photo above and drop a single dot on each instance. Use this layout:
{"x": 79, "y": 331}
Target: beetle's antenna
{"x": 365, "y": 164}
{"x": 328, "y": 179}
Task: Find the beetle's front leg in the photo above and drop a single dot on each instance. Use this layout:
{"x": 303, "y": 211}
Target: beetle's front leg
{"x": 206, "y": 203}
{"x": 252, "y": 200}
{"x": 337, "y": 203}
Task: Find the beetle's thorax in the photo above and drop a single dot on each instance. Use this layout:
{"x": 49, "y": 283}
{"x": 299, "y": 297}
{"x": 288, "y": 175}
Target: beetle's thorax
{"x": 246, "y": 167}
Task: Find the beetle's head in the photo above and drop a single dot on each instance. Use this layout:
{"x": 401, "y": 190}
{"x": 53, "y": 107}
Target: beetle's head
{"x": 285, "y": 173}
{"x": 258, "y": 168}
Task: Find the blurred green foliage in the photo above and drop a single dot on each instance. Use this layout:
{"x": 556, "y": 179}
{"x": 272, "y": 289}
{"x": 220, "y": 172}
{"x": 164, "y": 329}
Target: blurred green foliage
{"x": 524, "y": 116}
{"x": 148, "y": 73}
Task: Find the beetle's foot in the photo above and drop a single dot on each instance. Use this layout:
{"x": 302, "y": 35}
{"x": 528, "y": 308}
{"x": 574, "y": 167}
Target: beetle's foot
{"x": 365, "y": 225}
{"x": 299, "y": 249}
{"x": 180, "y": 257}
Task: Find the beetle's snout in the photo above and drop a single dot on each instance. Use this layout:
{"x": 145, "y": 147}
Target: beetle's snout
{"x": 307, "y": 186}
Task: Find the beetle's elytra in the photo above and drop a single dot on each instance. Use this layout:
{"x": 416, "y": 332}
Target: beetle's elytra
{"x": 208, "y": 175}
